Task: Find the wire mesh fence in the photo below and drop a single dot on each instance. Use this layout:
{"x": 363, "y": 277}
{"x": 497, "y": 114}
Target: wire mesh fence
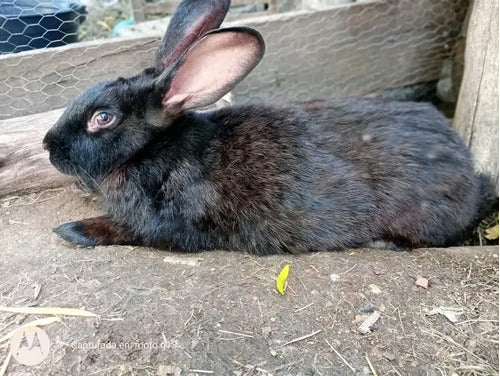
{"x": 31, "y": 24}
{"x": 150, "y": 9}
{"x": 315, "y": 51}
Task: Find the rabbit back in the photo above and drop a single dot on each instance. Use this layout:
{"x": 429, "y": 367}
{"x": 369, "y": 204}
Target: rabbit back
{"x": 313, "y": 177}
{"x": 354, "y": 170}
{"x": 419, "y": 169}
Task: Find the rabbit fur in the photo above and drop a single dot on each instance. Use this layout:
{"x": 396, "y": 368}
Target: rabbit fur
{"x": 263, "y": 179}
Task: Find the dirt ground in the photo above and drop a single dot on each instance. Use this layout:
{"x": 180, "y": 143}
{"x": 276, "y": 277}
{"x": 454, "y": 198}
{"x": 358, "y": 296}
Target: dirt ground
{"x": 218, "y": 313}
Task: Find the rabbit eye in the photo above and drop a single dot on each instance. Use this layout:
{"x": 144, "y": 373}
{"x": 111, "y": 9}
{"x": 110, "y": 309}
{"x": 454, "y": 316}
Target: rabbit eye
{"x": 104, "y": 118}
{"x": 100, "y": 119}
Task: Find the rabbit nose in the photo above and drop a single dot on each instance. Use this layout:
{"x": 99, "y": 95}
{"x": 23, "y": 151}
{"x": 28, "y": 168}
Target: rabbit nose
{"x": 46, "y": 141}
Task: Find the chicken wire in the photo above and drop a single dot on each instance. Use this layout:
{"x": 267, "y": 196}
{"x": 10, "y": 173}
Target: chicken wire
{"x": 356, "y": 49}
{"x": 151, "y": 9}
{"x": 31, "y": 24}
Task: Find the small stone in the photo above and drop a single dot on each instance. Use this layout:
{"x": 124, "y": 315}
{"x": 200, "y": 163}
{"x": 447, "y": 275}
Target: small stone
{"x": 164, "y": 370}
{"x": 377, "y": 352}
{"x": 366, "y": 309}
{"x": 195, "y": 345}
{"x": 334, "y": 277}
{"x": 92, "y": 284}
{"x": 360, "y": 318}
{"x": 266, "y": 331}
{"x": 367, "y": 325}
{"x": 389, "y": 356}
{"x": 375, "y": 289}
{"x": 422, "y": 282}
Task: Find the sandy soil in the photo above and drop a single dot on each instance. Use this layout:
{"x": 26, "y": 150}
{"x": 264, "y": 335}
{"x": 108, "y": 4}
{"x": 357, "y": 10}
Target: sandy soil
{"x": 218, "y": 313}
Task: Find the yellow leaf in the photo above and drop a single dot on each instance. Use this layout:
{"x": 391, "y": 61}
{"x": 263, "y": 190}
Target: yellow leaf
{"x": 281, "y": 280}
{"x": 492, "y": 233}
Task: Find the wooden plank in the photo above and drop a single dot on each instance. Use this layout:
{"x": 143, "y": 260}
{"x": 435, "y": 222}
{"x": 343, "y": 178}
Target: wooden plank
{"x": 352, "y": 49}
{"x": 476, "y": 116}
{"x": 24, "y": 165}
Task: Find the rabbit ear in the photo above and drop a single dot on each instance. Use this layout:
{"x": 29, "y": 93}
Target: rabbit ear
{"x": 210, "y": 68}
{"x": 190, "y": 21}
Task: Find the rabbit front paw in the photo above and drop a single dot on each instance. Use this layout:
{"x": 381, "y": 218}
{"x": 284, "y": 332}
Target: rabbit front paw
{"x": 95, "y": 231}
{"x": 74, "y": 232}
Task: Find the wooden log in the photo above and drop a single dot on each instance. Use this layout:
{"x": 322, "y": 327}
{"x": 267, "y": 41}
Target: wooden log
{"x": 24, "y": 165}
{"x": 476, "y": 116}
{"x": 353, "y": 49}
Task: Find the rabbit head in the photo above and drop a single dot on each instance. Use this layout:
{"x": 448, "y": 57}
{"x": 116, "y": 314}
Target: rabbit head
{"x": 195, "y": 65}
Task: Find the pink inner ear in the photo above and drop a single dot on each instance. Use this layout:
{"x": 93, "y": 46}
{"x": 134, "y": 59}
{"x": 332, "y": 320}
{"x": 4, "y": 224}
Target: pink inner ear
{"x": 197, "y": 30}
{"x": 191, "y": 20}
{"x": 211, "y": 68}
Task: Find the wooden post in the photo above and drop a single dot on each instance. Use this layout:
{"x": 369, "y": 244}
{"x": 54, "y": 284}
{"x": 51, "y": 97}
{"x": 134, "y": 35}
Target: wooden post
{"x": 476, "y": 116}
{"x": 273, "y": 6}
{"x": 137, "y": 10}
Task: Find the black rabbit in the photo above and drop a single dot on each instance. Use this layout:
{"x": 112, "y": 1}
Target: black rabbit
{"x": 256, "y": 178}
